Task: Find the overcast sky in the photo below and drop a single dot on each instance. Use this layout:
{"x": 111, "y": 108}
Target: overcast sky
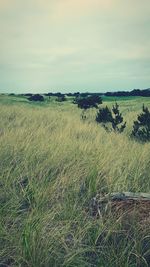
{"x": 74, "y": 45}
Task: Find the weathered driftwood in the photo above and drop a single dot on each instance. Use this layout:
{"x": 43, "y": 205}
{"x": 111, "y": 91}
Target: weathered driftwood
{"x": 129, "y": 195}
{"x": 123, "y": 196}
{"x": 118, "y": 202}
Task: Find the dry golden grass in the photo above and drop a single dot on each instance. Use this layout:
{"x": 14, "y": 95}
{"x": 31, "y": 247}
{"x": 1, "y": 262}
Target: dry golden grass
{"x": 52, "y": 164}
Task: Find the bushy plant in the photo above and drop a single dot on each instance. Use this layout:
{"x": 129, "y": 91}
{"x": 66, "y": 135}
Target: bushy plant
{"x": 105, "y": 115}
{"x": 141, "y": 127}
{"x": 86, "y": 103}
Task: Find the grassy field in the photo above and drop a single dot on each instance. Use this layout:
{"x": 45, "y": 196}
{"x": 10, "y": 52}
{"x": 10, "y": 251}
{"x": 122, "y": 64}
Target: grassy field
{"x": 52, "y": 165}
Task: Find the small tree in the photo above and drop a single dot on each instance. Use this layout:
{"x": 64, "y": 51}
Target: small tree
{"x": 117, "y": 120}
{"x": 141, "y": 127}
{"x": 105, "y": 115}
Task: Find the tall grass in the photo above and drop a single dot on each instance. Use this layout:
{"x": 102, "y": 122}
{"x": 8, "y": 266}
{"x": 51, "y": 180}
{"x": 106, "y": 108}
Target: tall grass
{"x": 52, "y": 165}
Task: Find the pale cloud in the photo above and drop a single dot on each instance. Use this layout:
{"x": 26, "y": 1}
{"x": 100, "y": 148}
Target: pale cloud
{"x": 5, "y": 4}
{"x": 73, "y": 5}
{"x": 63, "y": 10}
{"x": 60, "y": 6}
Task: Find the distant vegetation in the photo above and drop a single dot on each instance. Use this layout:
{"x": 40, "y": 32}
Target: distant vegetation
{"x": 111, "y": 120}
{"x": 134, "y": 92}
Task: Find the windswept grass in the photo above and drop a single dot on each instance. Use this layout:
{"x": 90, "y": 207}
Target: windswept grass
{"x": 52, "y": 165}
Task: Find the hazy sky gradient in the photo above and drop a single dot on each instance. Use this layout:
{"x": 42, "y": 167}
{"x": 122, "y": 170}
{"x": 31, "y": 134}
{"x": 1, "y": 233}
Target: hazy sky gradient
{"x": 74, "y": 45}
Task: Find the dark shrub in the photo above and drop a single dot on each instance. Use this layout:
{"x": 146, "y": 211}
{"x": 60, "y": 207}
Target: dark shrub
{"x": 36, "y": 97}
{"x": 61, "y": 98}
{"x": 88, "y": 102}
{"x": 105, "y": 115}
{"x": 141, "y": 127}
{"x": 11, "y": 94}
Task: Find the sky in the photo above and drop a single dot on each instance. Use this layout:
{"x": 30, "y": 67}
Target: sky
{"x": 74, "y": 45}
